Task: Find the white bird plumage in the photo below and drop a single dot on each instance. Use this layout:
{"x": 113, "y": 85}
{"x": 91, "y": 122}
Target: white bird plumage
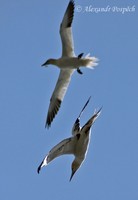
{"x": 67, "y": 63}
{"x": 76, "y": 145}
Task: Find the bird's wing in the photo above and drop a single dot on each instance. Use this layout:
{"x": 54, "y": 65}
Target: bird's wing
{"x": 64, "y": 147}
{"x": 90, "y": 122}
{"x": 66, "y": 31}
{"x": 76, "y": 127}
{"x": 58, "y": 94}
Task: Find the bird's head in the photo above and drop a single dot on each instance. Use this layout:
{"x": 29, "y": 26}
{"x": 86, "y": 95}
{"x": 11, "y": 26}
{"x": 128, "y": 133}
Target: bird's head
{"x": 49, "y": 62}
{"x": 75, "y": 166}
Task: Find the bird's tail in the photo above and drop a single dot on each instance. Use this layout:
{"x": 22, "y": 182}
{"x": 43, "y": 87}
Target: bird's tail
{"x": 90, "y": 122}
{"x": 96, "y": 115}
{"x": 89, "y": 62}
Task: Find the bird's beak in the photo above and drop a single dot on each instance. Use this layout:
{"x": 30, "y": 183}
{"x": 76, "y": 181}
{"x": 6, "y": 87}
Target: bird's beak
{"x": 73, "y": 172}
{"x": 45, "y": 64}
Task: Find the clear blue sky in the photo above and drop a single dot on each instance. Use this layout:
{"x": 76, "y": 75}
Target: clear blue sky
{"x": 29, "y": 35}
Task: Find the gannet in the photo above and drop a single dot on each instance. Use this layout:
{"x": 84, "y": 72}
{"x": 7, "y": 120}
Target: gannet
{"x": 76, "y": 145}
{"x": 67, "y": 63}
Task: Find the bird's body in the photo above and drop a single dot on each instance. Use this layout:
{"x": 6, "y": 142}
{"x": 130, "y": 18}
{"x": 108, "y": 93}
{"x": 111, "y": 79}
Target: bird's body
{"x": 76, "y": 145}
{"x": 73, "y": 62}
{"x": 67, "y": 63}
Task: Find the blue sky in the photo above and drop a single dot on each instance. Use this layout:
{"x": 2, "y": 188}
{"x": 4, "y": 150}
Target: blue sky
{"x": 30, "y": 35}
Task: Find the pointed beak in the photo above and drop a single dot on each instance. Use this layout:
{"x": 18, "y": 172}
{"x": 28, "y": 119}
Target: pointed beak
{"x": 45, "y": 64}
{"x": 72, "y": 174}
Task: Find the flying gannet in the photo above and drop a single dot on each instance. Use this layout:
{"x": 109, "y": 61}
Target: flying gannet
{"x": 67, "y": 63}
{"x": 76, "y": 145}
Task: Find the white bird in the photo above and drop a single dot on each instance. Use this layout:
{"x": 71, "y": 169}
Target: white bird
{"x": 76, "y": 145}
{"x": 67, "y": 63}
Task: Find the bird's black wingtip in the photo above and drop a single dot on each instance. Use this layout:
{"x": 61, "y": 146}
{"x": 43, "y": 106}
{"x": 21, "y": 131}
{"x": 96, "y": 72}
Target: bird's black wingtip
{"x": 38, "y": 169}
{"x": 89, "y": 98}
{"x": 51, "y": 114}
{"x": 87, "y": 102}
{"x": 72, "y": 1}
{"x": 99, "y": 111}
{"x": 47, "y": 124}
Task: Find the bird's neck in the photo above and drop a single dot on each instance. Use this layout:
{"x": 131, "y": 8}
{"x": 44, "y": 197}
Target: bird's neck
{"x": 54, "y": 61}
